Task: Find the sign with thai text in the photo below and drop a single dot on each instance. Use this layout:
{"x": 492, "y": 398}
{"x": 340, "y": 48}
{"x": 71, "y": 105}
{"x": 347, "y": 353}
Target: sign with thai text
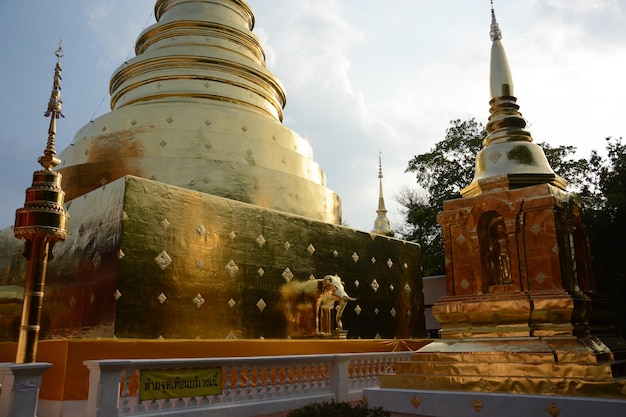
{"x": 179, "y": 383}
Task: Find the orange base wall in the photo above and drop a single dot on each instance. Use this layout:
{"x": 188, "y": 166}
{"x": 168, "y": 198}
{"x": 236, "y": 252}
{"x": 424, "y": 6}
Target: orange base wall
{"x": 68, "y": 379}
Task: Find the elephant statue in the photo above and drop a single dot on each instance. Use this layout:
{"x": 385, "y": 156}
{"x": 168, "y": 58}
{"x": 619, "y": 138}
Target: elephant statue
{"x": 318, "y": 295}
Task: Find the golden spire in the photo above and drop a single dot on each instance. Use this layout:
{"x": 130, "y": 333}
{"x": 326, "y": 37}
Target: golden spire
{"x": 55, "y": 105}
{"x": 508, "y": 152}
{"x": 501, "y": 80}
{"x": 381, "y": 224}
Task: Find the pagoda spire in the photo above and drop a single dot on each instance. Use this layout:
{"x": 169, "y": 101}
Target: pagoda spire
{"x": 381, "y": 224}
{"x": 500, "y": 78}
{"x": 508, "y": 151}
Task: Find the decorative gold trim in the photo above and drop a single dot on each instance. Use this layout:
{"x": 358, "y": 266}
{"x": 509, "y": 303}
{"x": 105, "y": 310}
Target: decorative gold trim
{"x": 554, "y": 410}
{"x": 478, "y": 405}
{"x": 416, "y": 402}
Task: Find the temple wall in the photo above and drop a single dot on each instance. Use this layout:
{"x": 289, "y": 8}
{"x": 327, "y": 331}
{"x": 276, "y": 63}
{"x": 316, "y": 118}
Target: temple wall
{"x": 148, "y": 260}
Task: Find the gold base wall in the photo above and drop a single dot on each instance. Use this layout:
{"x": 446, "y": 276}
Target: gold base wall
{"x": 147, "y": 260}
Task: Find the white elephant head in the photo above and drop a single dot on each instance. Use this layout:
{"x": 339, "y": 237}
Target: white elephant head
{"x": 333, "y": 290}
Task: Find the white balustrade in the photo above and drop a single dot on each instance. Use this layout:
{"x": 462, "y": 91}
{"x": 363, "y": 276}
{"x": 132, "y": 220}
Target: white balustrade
{"x": 250, "y": 386}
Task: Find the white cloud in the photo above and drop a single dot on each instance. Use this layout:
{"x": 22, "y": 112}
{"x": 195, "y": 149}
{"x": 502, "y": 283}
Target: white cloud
{"x": 314, "y": 42}
{"x": 114, "y": 33}
{"x": 586, "y": 6}
{"x": 312, "y": 49}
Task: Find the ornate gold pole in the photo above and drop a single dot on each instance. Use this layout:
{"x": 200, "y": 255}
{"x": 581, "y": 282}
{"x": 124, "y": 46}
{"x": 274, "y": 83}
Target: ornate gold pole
{"x": 41, "y": 223}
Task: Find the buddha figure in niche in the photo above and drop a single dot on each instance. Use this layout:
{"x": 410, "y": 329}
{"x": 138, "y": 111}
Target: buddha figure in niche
{"x": 495, "y": 251}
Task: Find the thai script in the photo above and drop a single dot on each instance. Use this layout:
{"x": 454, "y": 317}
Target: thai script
{"x": 176, "y": 383}
{"x": 180, "y": 383}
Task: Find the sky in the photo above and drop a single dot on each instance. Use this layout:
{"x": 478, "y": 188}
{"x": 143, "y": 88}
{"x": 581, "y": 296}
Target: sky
{"x": 361, "y": 76}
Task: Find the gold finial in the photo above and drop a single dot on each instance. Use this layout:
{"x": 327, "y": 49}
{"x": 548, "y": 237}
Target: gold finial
{"x": 55, "y": 105}
{"x": 380, "y": 164}
{"x": 495, "y": 33}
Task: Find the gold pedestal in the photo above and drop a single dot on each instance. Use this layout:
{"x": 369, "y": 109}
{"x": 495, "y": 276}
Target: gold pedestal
{"x": 566, "y": 366}
{"x": 521, "y": 315}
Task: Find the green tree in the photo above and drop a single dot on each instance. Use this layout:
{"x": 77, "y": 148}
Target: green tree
{"x": 421, "y": 226}
{"x": 606, "y": 224}
{"x": 449, "y": 166}
{"x": 583, "y": 175}
{"x": 441, "y": 173}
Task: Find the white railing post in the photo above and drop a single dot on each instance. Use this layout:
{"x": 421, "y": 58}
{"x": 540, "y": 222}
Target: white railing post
{"x": 94, "y": 388}
{"x": 104, "y": 387}
{"x": 20, "y": 383}
{"x": 339, "y": 378}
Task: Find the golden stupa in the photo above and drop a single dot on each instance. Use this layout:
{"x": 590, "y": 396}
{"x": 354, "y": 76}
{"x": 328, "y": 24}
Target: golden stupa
{"x": 195, "y": 212}
{"x": 523, "y": 332}
{"x": 197, "y": 108}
